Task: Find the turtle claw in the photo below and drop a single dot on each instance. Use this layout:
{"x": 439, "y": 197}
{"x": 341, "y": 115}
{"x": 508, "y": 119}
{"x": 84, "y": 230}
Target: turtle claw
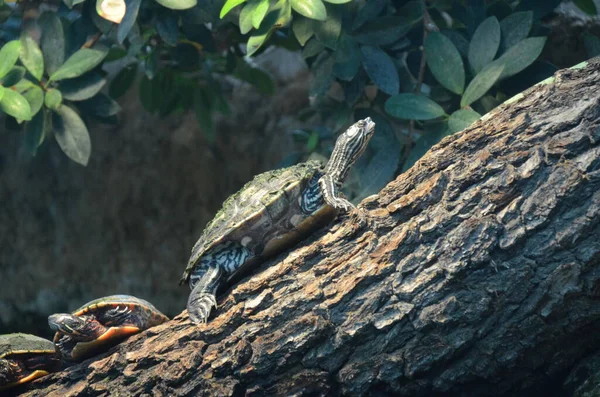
{"x": 359, "y": 216}
{"x": 199, "y": 309}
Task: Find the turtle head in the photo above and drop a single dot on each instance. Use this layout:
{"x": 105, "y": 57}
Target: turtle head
{"x": 79, "y": 328}
{"x": 350, "y": 145}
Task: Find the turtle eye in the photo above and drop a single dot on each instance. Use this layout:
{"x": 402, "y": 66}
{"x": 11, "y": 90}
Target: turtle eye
{"x": 353, "y": 130}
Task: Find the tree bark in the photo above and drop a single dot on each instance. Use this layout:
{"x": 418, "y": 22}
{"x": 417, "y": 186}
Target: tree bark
{"x": 478, "y": 274}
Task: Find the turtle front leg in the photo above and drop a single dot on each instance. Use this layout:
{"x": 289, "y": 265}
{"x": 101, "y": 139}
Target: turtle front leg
{"x": 331, "y": 194}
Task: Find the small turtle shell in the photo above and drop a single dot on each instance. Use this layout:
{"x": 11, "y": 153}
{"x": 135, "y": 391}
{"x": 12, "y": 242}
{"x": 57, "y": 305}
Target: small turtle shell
{"x": 264, "y": 215}
{"x": 17, "y": 344}
{"x": 143, "y": 316}
{"x": 24, "y": 347}
{"x": 148, "y": 312}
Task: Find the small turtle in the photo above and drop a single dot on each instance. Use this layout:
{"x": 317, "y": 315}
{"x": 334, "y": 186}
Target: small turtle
{"x": 269, "y": 214}
{"x": 101, "y": 323}
{"x": 25, "y": 357}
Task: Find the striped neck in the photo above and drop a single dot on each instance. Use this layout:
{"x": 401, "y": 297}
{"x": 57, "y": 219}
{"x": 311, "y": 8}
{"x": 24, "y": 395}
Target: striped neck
{"x": 348, "y": 148}
{"x": 340, "y": 162}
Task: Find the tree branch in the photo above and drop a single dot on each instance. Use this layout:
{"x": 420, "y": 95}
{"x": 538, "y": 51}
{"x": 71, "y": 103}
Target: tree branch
{"x": 480, "y": 275}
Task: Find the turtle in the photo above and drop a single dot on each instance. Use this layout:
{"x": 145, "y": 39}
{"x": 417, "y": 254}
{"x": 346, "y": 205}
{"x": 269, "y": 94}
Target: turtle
{"x": 25, "y": 357}
{"x": 102, "y": 323}
{"x": 269, "y": 214}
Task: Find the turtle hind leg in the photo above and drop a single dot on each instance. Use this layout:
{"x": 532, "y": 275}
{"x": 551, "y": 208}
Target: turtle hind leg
{"x": 202, "y": 298}
{"x": 206, "y": 278}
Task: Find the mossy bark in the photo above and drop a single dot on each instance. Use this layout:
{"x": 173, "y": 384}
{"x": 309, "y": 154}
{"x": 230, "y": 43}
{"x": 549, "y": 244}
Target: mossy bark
{"x": 478, "y": 274}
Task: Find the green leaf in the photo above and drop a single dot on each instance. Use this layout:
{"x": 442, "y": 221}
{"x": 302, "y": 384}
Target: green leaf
{"x": 381, "y": 69}
{"x": 1, "y": 92}
{"x": 131, "y": 14}
{"x": 515, "y": 28}
{"x": 413, "y": 107}
{"x": 35, "y": 132}
{"x": 83, "y": 87}
{"x": 167, "y": 28}
{"x": 72, "y": 3}
{"x": 177, "y": 4}
{"x": 328, "y": 32}
{"x": 100, "y": 105}
{"x": 262, "y": 34}
{"x": 122, "y": 81}
{"x": 35, "y": 97}
{"x": 15, "y": 105}
{"x": 313, "y": 9}
{"x": 312, "y": 48}
{"x": 52, "y": 41}
{"x": 8, "y": 56}
{"x": 413, "y": 10}
{"x": 458, "y": 39}
{"x": 384, "y": 30}
{"x": 114, "y": 54}
{"x": 482, "y": 82}
{"x": 80, "y": 62}
{"x": 53, "y": 99}
{"x": 103, "y": 25}
{"x": 521, "y": 55}
{"x": 31, "y": 56}
{"x": 370, "y": 10}
{"x": 228, "y": 6}
{"x": 592, "y": 44}
{"x": 484, "y": 44}
{"x": 586, "y": 6}
{"x": 347, "y": 59}
{"x": 302, "y": 28}
{"x": 322, "y": 74}
{"x": 72, "y": 135}
{"x": 259, "y": 13}
{"x": 462, "y": 119}
{"x": 13, "y": 77}
{"x": 337, "y": 1}
{"x": 445, "y": 62}
{"x": 23, "y": 86}
{"x": 245, "y": 21}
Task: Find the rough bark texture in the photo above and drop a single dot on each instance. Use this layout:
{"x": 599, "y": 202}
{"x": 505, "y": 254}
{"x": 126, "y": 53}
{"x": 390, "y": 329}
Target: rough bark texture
{"x": 478, "y": 275}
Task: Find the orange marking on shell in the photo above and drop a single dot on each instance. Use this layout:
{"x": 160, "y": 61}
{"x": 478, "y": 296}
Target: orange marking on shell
{"x": 110, "y": 337}
{"x": 116, "y": 332}
{"x": 38, "y": 373}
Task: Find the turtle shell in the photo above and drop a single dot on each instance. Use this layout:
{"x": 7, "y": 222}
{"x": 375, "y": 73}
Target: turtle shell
{"x": 12, "y": 345}
{"x": 151, "y": 314}
{"x": 143, "y": 316}
{"x": 265, "y": 216}
{"x": 37, "y": 354}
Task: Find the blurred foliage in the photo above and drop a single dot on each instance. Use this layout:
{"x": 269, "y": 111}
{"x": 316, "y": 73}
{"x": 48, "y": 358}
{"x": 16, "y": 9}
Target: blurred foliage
{"x": 421, "y": 69}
